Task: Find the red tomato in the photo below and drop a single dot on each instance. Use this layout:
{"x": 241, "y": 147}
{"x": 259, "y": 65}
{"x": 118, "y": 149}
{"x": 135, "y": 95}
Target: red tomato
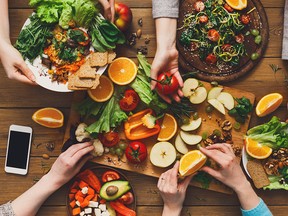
{"x": 127, "y": 198}
{"x": 211, "y": 59}
{"x": 136, "y": 152}
{"x": 228, "y": 8}
{"x": 167, "y": 83}
{"x": 203, "y": 19}
{"x": 109, "y": 139}
{"x": 226, "y": 47}
{"x": 239, "y": 38}
{"x": 245, "y": 19}
{"x": 199, "y": 6}
{"x": 130, "y": 100}
{"x": 213, "y": 35}
{"x": 110, "y": 176}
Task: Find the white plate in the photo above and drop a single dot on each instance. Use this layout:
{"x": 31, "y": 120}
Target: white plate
{"x": 44, "y": 79}
{"x": 245, "y": 160}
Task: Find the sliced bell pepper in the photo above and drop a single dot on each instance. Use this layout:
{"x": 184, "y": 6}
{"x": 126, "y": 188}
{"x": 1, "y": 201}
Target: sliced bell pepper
{"x": 122, "y": 209}
{"x": 135, "y": 129}
{"x": 90, "y": 178}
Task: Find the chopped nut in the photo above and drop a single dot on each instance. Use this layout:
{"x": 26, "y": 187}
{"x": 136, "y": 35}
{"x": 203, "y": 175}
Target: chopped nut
{"x": 143, "y": 50}
{"x": 50, "y": 146}
{"x": 139, "y": 33}
{"x": 147, "y": 40}
{"x": 45, "y": 156}
{"x": 226, "y": 125}
{"x": 140, "y": 22}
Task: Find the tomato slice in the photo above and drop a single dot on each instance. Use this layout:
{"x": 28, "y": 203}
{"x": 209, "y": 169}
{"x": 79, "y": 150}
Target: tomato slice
{"x": 211, "y": 59}
{"x": 109, "y": 139}
{"x": 130, "y": 100}
{"x": 110, "y": 176}
{"x": 213, "y": 35}
{"x": 127, "y": 198}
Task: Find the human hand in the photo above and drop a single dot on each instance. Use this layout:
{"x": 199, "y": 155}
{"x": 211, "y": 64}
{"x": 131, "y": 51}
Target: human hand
{"x": 230, "y": 172}
{"x": 166, "y": 60}
{"x": 69, "y": 163}
{"x": 14, "y": 64}
{"x": 172, "y": 192}
{"x": 109, "y": 9}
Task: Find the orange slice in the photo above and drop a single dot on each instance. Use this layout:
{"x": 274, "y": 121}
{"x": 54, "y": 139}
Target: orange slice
{"x": 49, "y": 117}
{"x": 168, "y": 128}
{"x": 191, "y": 162}
{"x": 268, "y": 104}
{"x": 256, "y": 149}
{"x": 104, "y": 90}
{"x": 237, "y": 4}
{"x": 122, "y": 71}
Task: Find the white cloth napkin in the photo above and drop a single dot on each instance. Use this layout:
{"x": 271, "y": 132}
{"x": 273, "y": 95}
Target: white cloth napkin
{"x": 285, "y": 33}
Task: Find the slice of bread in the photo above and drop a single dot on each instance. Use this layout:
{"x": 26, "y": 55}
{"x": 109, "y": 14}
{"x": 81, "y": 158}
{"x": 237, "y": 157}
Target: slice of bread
{"x": 111, "y": 56}
{"x": 86, "y": 71}
{"x": 257, "y": 173}
{"x": 98, "y": 59}
{"x": 96, "y": 81}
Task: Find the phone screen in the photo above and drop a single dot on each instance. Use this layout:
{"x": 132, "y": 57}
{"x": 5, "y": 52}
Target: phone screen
{"x": 18, "y": 149}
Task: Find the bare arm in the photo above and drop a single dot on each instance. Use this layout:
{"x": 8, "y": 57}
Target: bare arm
{"x": 64, "y": 168}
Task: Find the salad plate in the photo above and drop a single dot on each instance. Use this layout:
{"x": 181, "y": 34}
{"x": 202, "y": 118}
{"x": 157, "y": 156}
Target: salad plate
{"x": 234, "y": 50}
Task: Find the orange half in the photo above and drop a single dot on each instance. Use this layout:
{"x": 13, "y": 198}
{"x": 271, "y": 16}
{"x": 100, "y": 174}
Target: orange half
{"x": 103, "y": 91}
{"x": 49, "y": 117}
{"x": 168, "y": 128}
{"x": 256, "y": 149}
{"x": 268, "y": 104}
{"x": 191, "y": 162}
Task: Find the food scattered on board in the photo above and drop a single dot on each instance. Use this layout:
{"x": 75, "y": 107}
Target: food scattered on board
{"x": 103, "y": 91}
{"x": 273, "y": 138}
{"x": 193, "y": 90}
{"x": 100, "y": 191}
{"x": 168, "y": 128}
{"x": 49, "y": 117}
{"x": 268, "y": 104}
{"x": 162, "y": 154}
{"x": 191, "y": 162}
{"x": 136, "y": 152}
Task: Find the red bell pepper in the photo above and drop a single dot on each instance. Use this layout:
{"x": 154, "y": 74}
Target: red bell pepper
{"x": 90, "y": 178}
{"x": 122, "y": 209}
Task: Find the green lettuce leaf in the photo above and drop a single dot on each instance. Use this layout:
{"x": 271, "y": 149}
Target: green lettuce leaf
{"x": 66, "y": 16}
{"x": 85, "y": 11}
{"x": 274, "y": 184}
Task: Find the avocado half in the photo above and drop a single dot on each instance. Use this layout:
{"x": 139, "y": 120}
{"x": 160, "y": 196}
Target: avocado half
{"x": 123, "y": 187}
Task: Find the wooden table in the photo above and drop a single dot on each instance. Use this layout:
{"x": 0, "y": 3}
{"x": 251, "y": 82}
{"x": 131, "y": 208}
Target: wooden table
{"x": 19, "y": 101}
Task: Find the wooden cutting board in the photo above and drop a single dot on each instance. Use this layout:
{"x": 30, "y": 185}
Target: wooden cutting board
{"x": 209, "y": 123}
{"x": 190, "y": 61}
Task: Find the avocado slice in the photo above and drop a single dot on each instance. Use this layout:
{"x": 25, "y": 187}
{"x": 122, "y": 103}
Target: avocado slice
{"x": 122, "y": 186}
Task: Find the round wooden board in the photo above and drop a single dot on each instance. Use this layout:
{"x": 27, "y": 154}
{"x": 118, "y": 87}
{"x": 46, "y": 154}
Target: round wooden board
{"x": 192, "y": 63}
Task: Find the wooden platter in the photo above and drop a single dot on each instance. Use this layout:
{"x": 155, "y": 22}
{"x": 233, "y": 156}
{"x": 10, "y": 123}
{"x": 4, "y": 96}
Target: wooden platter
{"x": 209, "y": 123}
{"x": 189, "y": 61}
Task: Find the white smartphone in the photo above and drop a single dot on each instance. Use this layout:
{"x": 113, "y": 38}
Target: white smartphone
{"x": 18, "y": 149}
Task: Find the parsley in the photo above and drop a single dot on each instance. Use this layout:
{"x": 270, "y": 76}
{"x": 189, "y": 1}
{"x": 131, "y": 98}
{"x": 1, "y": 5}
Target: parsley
{"x": 203, "y": 178}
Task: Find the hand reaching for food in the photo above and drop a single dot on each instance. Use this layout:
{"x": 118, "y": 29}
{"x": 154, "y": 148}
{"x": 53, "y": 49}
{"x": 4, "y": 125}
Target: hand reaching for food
{"x": 109, "y": 9}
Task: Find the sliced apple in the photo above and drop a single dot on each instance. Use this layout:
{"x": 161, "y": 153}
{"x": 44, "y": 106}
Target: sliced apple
{"x": 180, "y": 145}
{"x": 214, "y": 93}
{"x": 162, "y": 154}
{"x": 192, "y": 125}
{"x": 226, "y": 99}
{"x": 217, "y": 105}
{"x": 189, "y": 86}
{"x": 190, "y": 139}
{"x": 199, "y": 95}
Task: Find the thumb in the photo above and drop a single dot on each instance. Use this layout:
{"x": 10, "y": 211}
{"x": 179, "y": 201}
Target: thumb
{"x": 153, "y": 76}
{"x": 26, "y": 71}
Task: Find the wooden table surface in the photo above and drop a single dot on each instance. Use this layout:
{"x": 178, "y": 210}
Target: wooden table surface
{"x": 19, "y": 101}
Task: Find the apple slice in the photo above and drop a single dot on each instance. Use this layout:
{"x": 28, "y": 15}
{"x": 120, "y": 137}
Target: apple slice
{"x": 199, "y": 95}
{"x": 214, "y": 93}
{"x": 217, "y": 105}
{"x": 162, "y": 154}
{"x": 192, "y": 125}
{"x": 189, "y": 86}
{"x": 226, "y": 99}
{"x": 190, "y": 139}
{"x": 180, "y": 145}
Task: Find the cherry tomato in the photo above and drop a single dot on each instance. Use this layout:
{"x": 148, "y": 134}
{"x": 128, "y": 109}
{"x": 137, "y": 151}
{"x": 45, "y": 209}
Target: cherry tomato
{"x": 110, "y": 176}
{"x": 211, "y": 59}
{"x": 245, "y": 19}
{"x": 127, "y": 198}
{"x": 239, "y": 38}
{"x": 109, "y": 139}
{"x": 167, "y": 83}
{"x": 213, "y": 35}
{"x": 130, "y": 100}
{"x": 203, "y": 19}
{"x": 136, "y": 152}
{"x": 228, "y": 8}
{"x": 199, "y": 6}
{"x": 226, "y": 47}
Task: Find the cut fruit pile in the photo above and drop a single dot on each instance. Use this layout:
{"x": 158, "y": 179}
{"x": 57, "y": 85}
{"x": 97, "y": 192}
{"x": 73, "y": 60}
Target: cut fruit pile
{"x": 256, "y": 149}
{"x": 237, "y": 4}
{"x": 103, "y": 91}
{"x": 49, "y": 117}
{"x": 191, "y": 162}
{"x": 122, "y": 71}
{"x": 268, "y": 104}
{"x": 168, "y": 128}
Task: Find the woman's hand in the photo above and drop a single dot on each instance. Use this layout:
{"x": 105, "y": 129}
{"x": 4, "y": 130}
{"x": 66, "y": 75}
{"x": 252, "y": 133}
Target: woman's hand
{"x": 172, "y": 192}
{"x": 109, "y": 9}
{"x": 69, "y": 163}
{"x": 14, "y": 64}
